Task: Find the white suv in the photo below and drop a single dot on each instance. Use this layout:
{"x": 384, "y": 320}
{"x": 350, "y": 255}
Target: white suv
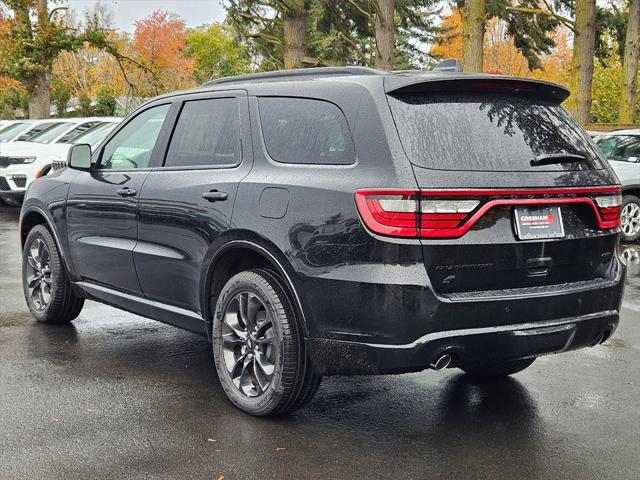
{"x": 622, "y": 149}
{"x": 23, "y": 161}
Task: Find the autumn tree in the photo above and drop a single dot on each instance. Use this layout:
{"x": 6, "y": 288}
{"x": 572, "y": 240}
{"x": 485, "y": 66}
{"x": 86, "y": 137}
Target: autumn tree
{"x": 159, "y": 43}
{"x": 36, "y": 36}
{"x": 628, "y": 93}
{"x": 216, "y": 53}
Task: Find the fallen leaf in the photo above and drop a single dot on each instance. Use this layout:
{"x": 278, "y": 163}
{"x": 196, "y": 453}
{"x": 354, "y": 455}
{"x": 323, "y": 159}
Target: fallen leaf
{"x": 55, "y": 419}
{"x": 221, "y": 477}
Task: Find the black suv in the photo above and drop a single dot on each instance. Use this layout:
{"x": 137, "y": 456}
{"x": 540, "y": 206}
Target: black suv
{"x": 339, "y": 221}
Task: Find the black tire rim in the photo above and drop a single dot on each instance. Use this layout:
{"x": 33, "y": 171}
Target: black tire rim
{"x": 39, "y": 274}
{"x": 631, "y": 219}
{"x": 249, "y": 344}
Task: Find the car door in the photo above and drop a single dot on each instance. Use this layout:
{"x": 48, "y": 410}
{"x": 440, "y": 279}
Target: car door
{"x": 186, "y": 204}
{"x": 102, "y": 204}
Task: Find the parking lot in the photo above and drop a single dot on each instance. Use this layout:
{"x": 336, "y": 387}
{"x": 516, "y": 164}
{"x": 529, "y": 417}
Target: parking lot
{"x": 119, "y": 396}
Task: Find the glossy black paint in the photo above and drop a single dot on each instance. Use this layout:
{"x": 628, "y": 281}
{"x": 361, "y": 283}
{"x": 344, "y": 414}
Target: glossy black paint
{"x": 157, "y": 253}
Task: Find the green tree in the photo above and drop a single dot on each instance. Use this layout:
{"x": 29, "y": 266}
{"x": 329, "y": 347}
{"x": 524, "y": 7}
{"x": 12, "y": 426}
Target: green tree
{"x": 216, "y": 52}
{"x": 60, "y": 96}
{"x": 106, "y": 102}
{"x": 86, "y": 107}
{"x": 276, "y": 31}
{"x": 387, "y": 34}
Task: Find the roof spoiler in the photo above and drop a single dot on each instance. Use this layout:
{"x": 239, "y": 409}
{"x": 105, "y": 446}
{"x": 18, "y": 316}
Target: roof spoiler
{"x": 461, "y": 82}
{"x": 449, "y": 65}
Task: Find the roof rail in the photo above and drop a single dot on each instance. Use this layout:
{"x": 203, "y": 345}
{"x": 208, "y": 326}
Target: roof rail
{"x": 296, "y": 73}
{"x": 449, "y": 65}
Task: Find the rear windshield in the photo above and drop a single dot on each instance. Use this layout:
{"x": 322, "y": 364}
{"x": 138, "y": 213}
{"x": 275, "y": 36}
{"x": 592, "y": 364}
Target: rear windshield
{"x": 489, "y": 132}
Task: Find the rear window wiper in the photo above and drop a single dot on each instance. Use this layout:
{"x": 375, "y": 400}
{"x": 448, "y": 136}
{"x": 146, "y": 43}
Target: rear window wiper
{"x": 550, "y": 158}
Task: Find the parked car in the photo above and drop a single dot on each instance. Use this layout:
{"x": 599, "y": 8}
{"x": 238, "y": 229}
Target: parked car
{"x": 11, "y": 132}
{"x": 622, "y": 149}
{"x": 339, "y": 221}
{"x": 22, "y": 162}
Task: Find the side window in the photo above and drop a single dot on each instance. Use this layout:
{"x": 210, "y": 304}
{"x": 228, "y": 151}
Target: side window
{"x": 132, "y": 146}
{"x": 299, "y": 130}
{"x": 207, "y": 134}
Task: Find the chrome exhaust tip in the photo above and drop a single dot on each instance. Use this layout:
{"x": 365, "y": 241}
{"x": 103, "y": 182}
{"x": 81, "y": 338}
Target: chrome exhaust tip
{"x": 441, "y": 362}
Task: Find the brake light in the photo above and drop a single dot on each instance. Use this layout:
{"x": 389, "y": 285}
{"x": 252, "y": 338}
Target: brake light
{"x": 452, "y": 213}
{"x": 609, "y": 207}
{"x": 393, "y": 213}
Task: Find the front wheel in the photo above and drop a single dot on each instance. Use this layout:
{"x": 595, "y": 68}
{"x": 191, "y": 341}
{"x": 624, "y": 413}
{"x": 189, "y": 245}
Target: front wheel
{"x": 630, "y": 217}
{"x": 47, "y": 290}
{"x": 258, "y": 346}
{"x": 497, "y": 369}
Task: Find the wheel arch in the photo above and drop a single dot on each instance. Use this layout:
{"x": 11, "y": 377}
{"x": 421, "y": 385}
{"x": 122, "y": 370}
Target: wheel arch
{"x": 33, "y": 216}
{"x": 631, "y": 190}
{"x": 236, "y": 255}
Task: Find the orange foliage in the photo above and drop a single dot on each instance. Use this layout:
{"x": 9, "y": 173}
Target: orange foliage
{"x": 160, "y": 40}
{"x": 500, "y": 53}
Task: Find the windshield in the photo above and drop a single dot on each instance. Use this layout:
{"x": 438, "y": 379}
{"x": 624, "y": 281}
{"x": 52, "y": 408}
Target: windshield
{"x": 490, "y": 132}
{"x": 11, "y": 131}
{"x": 35, "y": 130}
{"x": 95, "y": 134}
{"x": 621, "y": 148}
{"x": 50, "y": 134}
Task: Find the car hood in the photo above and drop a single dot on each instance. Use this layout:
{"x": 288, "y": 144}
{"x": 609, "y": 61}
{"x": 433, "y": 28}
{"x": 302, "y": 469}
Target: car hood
{"x": 29, "y": 149}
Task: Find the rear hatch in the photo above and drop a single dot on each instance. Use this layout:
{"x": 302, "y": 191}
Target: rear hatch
{"x": 514, "y": 196}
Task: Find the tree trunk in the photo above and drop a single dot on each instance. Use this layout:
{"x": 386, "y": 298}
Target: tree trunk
{"x": 628, "y": 93}
{"x": 584, "y": 45}
{"x": 385, "y": 34}
{"x": 293, "y": 42}
{"x": 474, "y": 16}
{"x": 40, "y": 98}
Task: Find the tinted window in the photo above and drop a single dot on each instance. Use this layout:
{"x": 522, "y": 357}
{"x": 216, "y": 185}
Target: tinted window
{"x": 487, "y": 131}
{"x": 132, "y": 146}
{"x": 207, "y": 133}
{"x": 83, "y": 127}
{"x": 623, "y": 148}
{"x": 305, "y": 131}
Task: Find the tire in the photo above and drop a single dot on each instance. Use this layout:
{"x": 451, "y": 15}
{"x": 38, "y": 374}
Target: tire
{"x": 630, "y": 229}
{"x": 47, "y": 290}
{"x": 497, "y": 369}
{"x": 266, "y": 373}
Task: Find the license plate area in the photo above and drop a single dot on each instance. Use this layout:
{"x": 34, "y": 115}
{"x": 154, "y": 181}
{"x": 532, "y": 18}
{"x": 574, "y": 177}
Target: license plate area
{"x": 535, "y": 223}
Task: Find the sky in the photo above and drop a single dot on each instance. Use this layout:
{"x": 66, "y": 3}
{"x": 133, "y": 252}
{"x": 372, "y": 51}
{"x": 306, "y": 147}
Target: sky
{"x": 126, "y": 12}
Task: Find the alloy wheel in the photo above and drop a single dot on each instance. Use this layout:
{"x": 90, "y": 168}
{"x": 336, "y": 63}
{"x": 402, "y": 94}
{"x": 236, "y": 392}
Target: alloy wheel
{"x": 249, "y": 344}
{"x": 631, "y": 219}
{"x": 39, "y": 274}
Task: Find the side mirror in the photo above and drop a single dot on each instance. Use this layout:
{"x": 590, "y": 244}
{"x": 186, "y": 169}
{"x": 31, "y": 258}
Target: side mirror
{"x": 79, "y": 157}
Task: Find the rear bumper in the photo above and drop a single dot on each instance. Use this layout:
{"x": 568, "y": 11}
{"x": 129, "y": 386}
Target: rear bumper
{"x": 466, "y": 346}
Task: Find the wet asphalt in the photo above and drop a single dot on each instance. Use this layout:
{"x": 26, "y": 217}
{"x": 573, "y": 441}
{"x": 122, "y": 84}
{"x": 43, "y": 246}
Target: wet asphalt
{"x": 116, "y": 396}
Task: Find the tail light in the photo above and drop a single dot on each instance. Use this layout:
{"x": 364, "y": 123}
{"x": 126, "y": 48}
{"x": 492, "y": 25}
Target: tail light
{"x": 610, "y": 207}
{"x": 451, "y": 213}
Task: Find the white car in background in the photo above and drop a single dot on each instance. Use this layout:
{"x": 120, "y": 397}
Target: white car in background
{"x": 622, "y": 149}
{"x": 23, "y": 162}
{"x": 24, "y": 129}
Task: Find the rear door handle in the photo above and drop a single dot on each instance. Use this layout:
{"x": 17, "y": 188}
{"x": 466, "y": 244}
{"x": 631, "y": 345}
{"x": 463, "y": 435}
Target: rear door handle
{"x": 215, "y": 196}
{"x": 126, "y": 192}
